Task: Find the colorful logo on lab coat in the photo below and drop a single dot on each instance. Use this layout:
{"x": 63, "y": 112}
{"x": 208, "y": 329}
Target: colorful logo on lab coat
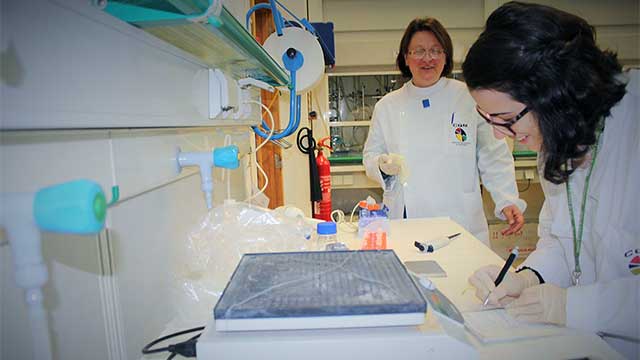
{"x": 634, "y": 265}
{"x": 457, "y": 127}
{"x": 461, "y": 135}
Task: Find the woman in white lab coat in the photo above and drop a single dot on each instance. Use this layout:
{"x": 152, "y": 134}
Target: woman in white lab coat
{"x": 537, "y": 75}
{"x": 428, "y": 148}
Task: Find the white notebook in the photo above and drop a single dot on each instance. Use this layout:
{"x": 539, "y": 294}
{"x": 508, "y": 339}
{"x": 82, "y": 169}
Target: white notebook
{"x": 498, "y": 326}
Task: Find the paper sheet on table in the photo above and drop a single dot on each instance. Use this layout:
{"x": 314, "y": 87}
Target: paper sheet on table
{"x": 498, "y": 326}
{"x": 466, "y": 301}
{"x": 466, "y": 307}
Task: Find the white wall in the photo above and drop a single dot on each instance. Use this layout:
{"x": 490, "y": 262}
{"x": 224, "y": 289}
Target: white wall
{"x": 368, "y": 32}
{"x": 111, "y": 293}
{"x": 238, "y": 8}
{"x": 93, "y": 309}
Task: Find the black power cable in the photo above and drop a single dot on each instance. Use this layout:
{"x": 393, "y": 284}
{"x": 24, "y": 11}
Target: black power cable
{"x": 186, "y": 348}
{"x": 527, "y": 188}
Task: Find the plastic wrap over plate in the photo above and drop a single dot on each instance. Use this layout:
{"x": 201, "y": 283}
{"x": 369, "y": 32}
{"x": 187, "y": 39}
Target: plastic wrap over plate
{"x": 326, "y": 289}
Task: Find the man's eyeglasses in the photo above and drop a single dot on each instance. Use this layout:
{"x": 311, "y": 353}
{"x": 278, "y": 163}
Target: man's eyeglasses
{"x": 419, "y": 53}
{"x": 504, "y": 123}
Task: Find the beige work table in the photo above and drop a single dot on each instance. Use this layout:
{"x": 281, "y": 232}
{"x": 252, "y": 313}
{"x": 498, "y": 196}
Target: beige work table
{"x": 435, "y": 339}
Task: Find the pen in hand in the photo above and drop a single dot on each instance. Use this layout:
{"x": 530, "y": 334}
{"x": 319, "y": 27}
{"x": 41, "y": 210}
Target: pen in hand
{"x": 512, "y": 257}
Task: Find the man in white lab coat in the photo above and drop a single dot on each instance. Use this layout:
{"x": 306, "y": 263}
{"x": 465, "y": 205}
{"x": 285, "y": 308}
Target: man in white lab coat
{"x": 428, "y": 147}
{"x": 571, "y": 101}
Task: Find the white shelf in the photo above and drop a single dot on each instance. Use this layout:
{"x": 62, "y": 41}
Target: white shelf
{"x": 522, "y": 163}
{"x": 374, "y": 70}
{"x": 337, "y": 169}
{"x": 350, "y": 123}
{"x": 355, "y": 186}
{"x": 351, "y": 177}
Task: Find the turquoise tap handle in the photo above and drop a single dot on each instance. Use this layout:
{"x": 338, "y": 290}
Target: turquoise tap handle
{"x": 226, "y": 157}
{"x": 78, "y": 207}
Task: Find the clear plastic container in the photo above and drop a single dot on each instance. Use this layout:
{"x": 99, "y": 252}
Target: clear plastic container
{"x": 372, "y": 218}
{"x": 374, "y": 240}
{"x": 327, "y": 234}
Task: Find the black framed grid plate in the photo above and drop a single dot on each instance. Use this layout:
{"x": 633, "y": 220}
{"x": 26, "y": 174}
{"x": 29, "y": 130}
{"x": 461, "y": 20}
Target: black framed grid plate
{"x": 317, "y": 290}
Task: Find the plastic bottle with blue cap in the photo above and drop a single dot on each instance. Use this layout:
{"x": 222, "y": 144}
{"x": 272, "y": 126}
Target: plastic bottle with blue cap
{"x": 327, "y": 234}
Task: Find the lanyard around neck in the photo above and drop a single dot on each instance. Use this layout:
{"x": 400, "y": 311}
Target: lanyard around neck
{"x": 577, "y": 235}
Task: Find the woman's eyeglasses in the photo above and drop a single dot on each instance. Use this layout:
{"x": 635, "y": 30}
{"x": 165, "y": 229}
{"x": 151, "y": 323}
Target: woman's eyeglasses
{"x": 419, "y": 53}
{"x": 504, "y": 123}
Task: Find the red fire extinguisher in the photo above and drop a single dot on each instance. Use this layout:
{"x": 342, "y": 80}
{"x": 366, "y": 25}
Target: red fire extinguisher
{"x": 322, "y": 208}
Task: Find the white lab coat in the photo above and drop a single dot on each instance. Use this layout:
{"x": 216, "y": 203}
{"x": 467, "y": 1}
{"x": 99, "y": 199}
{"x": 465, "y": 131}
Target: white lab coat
{"x": 444, "y": 166}
{"x": 608, "y": 297}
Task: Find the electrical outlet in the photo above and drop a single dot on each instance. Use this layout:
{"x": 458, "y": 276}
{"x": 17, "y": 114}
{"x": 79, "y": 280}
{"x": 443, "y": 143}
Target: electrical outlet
{"x": 529, "y": 174}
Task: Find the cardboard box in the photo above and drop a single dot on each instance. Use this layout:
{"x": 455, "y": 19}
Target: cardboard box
{"x": 526, "y": 240}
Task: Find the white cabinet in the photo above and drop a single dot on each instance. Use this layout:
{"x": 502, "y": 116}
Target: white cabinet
{"x": 351, "y": 177}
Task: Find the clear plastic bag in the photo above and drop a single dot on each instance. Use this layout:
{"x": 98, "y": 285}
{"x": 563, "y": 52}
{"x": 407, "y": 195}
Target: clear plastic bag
{"x": 214, "y": 248}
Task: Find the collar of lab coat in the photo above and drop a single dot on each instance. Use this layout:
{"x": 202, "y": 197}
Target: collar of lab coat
{"x": 425, "y": 92}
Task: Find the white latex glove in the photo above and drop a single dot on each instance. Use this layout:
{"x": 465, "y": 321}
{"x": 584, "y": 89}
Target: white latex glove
{"x": 394, "y": 164}
{"x": 391, "y": 164}
{"x": 511, "y": 286}
{"x": 544, "y": 303}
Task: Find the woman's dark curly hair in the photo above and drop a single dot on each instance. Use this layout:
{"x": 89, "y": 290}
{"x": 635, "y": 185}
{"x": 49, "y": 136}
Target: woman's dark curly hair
{"x": 435, "y": 27}
{"x": 548, "y": 60}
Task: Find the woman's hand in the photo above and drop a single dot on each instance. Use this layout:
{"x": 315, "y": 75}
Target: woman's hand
{"x": 515, "y": 219}
{"x": 511, "y": 286}
{"x": 544, "y": 303}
